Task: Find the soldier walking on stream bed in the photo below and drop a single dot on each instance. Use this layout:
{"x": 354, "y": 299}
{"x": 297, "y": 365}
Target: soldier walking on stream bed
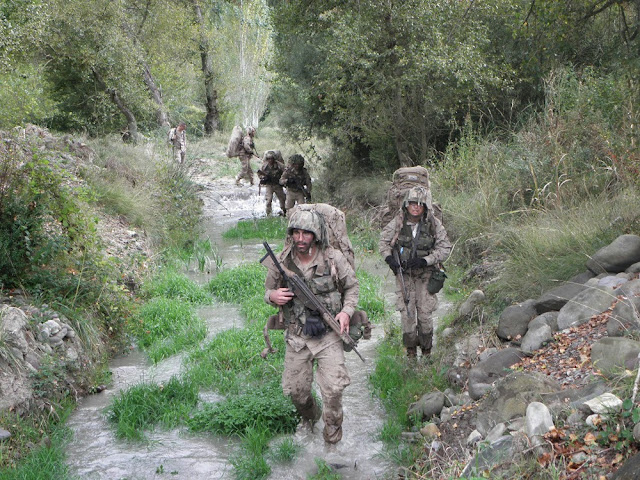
{"x": 308, "y": 340}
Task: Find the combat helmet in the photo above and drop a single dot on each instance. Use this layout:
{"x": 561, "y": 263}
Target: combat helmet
{"x": 251, "y": 130}
{"x": 270, "y": 155}
{"x": 420, "y": 195}
{"x": 311, "y": 222}
{"x": 296, "y": 160}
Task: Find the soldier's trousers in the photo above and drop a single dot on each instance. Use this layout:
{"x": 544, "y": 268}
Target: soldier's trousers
{"x": 179, "y": 155}
{"x": 245, "y": 172}
{"x": 293, "y": 197}
{"x": 417, "y": 322}
{"x": 332, "y": 378}
{"x": 279, "y": 193}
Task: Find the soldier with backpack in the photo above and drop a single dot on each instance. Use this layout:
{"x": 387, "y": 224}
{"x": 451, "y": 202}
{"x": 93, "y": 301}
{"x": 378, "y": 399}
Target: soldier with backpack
{"x": 414, "y": 244}
{"x": 178, "y": 142}
{"x": 309, "y": 341}
{"x": 269, "y": 174}
{"x": 297, "y": 180}
{"x": 246, "y": 151}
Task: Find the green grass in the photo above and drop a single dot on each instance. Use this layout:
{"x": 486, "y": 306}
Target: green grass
{"x": 370, "y": 299}
{"x": 165, "y": 326}
{"x": 264, "y": 408}
{"x": 325, "y": 472}
{"x": 262, "y": 228}
{"x": 284, "y": 450}
{"x": 170, "y": 284}
{"x": 145, "y": 405}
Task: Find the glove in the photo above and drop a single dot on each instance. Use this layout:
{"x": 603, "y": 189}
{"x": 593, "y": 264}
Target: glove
{"x": 313, "y": 325}
{"x": 417, "y": 262}
{"x": 393, "y": 265}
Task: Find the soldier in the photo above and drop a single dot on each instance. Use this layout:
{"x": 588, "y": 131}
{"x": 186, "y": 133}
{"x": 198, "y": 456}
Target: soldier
{"x": 269, "y": 175}
{"x": 178, "y": 140}
{"x": 421, "y": 244}
{"x": 247, "y": 149}
{"x": 297, "y": 180}
{"x": 308, "y": 340}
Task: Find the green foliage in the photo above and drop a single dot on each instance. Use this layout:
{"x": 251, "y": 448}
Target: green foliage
{"x": 144, "y": 405}
{"x": 243, "y": 285}
{"x": 263, "y": 228}
{"x": 266, "y": 408}
{"x": 22, "y": 97}
{"x": 45, "y": 462}
{"x": 284, "y": 450}
{"x": 164, "y": 326}
{"x": 370, "y": 299}
{"x": 325, "y": 472}
{"x": 170, "y": 284}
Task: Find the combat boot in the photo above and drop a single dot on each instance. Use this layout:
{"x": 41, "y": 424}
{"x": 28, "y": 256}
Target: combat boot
{"x": 412, "y": 352}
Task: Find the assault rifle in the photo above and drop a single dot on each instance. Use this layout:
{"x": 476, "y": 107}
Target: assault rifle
{"x": 302, "y": 291}
{"x": 295, "y": 183}
{"x": 405, "y": 296}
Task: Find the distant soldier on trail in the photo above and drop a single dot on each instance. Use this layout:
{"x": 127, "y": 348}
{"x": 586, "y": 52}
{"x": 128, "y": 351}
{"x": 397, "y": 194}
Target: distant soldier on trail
{"x": 297, "y": 180}
{"x": 414, "y": 244}
{"x": 247, "y": 150}
{"x": 269, "y": 175}
{"x": 178, "y": 141}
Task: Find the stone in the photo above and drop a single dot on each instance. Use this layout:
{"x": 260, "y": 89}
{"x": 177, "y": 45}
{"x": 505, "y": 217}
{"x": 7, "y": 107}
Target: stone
{"x": 474, "y": 299}
{"x": 605, "y": 403}
{"x": 616, "y": 257}
{"x": 586, "y": 304}
{"x": 430, "y": 431}
{"x": 428, "y": 406}
{"x": 630, "y": 470}
{"x": 535, "y": 338}
{"x": 538, "y": 419}
{"x": 483, "y": 374}
{"x": 557, "y": 297}
{"x": 611, "y": 355}
{"x": 473, "y": 438}
{"x": 514, "y": 320}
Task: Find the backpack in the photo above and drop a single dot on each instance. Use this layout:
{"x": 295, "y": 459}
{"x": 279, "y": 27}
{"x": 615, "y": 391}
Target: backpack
{"x": 235, "y": 142}
{"x": 403, "y": 180}
{"x": 336, "y": 225}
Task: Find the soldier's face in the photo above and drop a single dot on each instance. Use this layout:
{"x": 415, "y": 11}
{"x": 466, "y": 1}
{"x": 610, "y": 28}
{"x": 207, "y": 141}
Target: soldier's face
{"x": 302, "y": 240}
{"x": 415, "y": 209}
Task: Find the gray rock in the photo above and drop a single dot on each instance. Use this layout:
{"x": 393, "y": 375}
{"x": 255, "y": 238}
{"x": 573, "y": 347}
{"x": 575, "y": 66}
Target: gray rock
{"x": 586, "y": 304}
{"x": 474, "y": 299}
{"x": 635, "y": 268}
{"x": 538, "y": 419}
{"x": 616, "y": 257}
{"x": 547, "y": 318}
{"x": 555, "y": 299}
{"x": 495, "y": 453}
{"x": 482, "y": 375}
{"x": 576, "y": 418}
{"x": 613, "y": 354}
{"x": 4, "y": 434}
{"x": 473, "y": 438}
{"x": 636, "y": 432}
{"x": 429, "y": 405}
{"x": 624, "y": 317}
{"x": 604, "y": 404}
{"x": 535, "y": 338}
{"x": 515, "y": 319}
{"x": 496, "y": 432}
{"x": 612, "y": 281}
{"x": 510, "y": 397}
{"x": 630, "y": 470}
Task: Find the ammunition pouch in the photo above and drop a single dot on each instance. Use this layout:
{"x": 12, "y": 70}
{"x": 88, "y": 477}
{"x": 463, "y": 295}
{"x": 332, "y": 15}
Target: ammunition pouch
{"x": 359, "y": 327}
{"x": 436, "y": 281}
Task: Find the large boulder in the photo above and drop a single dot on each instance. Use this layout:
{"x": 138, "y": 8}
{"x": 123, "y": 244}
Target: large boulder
{"x": 630, "y": 470}
{"x": 613, "y": 354}
{"x": 482, "y": 375}
{"x": 616, "y": 257}
{"x": 589, "y": 302}
{"x": 624, "y": 315}
{"x": 510, "y": 397}
{"x": 514, "y": 320}
{"x": 556, "y": 298}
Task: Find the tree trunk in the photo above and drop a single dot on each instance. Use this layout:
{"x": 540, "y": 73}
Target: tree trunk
{"x": 132, "y": 126}
{"x": 156, "y": 94}
{"x": 212, "y": 119}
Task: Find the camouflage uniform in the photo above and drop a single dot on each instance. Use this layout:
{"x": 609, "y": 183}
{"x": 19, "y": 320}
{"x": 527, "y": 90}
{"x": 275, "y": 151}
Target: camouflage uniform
{"x": 270, "y": 174}
{"x": 297, "y": 180}
{"x": 431, "y": 244}
{"x": 247, "y": 148}
{"x": 178, "y": 140}
{"x": 332, "y": 279}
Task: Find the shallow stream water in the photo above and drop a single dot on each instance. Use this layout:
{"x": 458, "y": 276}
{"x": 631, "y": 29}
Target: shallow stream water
{"x": 95, "y": 453}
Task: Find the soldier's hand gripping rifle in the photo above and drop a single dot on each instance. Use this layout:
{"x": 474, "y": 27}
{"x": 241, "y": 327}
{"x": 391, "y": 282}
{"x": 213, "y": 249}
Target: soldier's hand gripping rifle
{"x": 302, "y": 291}
{"x": 405, "y": 295}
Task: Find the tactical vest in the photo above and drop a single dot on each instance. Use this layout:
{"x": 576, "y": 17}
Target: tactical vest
{"x": 325, "y": 287}
{"x": 272, "y": 174}
{"x": 296, "y": 179}
{"x": 424, "y": 242}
